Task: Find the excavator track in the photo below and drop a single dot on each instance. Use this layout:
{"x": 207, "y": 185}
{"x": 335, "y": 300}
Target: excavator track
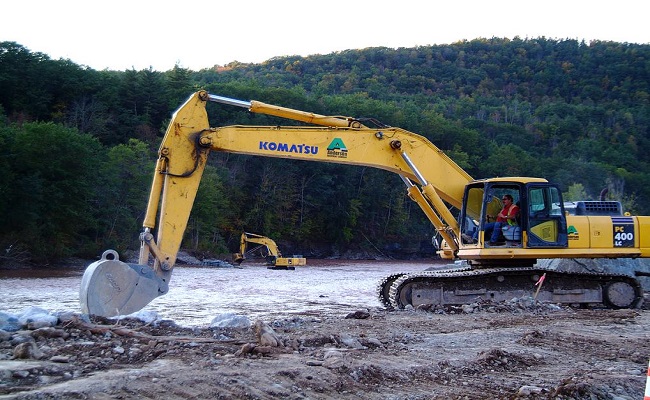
{"x": 466, "y": 286}
{"x": 383, "y": 287}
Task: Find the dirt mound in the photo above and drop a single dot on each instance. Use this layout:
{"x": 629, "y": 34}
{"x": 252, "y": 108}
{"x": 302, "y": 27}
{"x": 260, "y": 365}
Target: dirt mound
{"x": 491, "y": 352}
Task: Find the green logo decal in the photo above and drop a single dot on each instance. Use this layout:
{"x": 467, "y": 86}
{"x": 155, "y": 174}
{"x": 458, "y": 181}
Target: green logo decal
{"x": 571, "y": 230}
{"x": 337, "y": 144}
{"x": 337, "y": 149}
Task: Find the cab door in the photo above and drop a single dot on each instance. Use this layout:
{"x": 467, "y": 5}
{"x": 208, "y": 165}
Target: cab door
{"x": 546, "y": 221}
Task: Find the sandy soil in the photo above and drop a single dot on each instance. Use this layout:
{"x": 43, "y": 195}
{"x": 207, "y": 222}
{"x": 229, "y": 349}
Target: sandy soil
{"x": 502, "y": 351}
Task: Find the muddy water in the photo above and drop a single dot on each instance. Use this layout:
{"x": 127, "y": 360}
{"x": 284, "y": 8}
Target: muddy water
{"x": 197, "y": 295}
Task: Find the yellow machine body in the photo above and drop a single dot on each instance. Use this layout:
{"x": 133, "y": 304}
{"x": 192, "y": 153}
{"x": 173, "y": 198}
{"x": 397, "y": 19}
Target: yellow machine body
{"x": 435, "y": 182}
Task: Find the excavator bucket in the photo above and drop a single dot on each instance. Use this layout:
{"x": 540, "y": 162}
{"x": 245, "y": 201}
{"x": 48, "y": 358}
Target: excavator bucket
{"x": 110, "y": 287}
{"x": 237, "y": 258}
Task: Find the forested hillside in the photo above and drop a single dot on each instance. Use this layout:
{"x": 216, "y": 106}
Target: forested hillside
{"x": 80, "y": 144}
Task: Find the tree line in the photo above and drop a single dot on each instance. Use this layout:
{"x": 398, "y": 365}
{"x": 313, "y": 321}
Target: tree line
{"x": 80, "y": 144}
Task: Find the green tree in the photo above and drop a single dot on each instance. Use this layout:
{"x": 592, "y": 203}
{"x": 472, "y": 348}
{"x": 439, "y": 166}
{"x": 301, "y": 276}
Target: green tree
{"x": 122, "y": 190}
{"x": 211, "y": 215}
{"x": 575, "y": 192}
{"x": 54, "y": 174}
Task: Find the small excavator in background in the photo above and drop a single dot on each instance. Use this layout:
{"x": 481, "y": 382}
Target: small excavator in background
{"x": 273, "y": 257}
{"x": 457, "y": 205}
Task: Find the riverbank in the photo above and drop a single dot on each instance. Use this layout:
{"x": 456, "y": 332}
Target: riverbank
{"x": 505, "y": 351}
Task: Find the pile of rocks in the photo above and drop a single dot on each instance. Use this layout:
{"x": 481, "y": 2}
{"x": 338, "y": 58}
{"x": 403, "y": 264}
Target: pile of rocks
{"x": 514, "y": 305}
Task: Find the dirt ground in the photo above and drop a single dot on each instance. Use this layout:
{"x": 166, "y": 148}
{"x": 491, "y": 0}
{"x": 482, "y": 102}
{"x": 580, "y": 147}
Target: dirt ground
{"x": 490, "y": 351}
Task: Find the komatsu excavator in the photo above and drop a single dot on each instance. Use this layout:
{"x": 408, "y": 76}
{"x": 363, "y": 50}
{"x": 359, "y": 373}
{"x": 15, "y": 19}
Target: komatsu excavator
{"x": 273, "y": 257}
{"x": 457, "y": 205}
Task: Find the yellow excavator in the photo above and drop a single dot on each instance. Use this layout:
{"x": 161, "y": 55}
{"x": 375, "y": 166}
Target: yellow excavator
{"x": 273, "y": 257}
{"x": 457, "y": 205}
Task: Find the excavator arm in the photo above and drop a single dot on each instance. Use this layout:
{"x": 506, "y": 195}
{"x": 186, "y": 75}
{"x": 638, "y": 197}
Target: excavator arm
{"x": 432, "y": 180}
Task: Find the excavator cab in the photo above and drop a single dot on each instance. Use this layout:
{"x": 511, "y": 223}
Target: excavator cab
{"x": 540, "y": 221}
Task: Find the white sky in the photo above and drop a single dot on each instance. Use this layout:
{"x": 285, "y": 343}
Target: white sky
{"x": 196, "y": 34}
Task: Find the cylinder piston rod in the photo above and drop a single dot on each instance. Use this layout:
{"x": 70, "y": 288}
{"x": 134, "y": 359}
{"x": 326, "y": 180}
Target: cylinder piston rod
{"x": 228, "y": 100}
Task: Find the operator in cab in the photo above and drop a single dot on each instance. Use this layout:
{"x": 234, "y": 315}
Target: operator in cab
{"x": 507, "y": 216}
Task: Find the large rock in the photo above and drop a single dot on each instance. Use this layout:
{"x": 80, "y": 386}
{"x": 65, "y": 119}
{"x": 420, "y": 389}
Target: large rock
{"x": 9, "y": 322}
{"x": 36, "y": 317}
{"x": 229, "y": 320}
